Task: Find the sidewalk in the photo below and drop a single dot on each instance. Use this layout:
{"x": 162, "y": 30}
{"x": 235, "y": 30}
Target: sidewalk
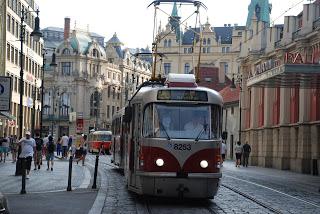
{"x": 301, "y": 181}
{"x": 42, "y": 180}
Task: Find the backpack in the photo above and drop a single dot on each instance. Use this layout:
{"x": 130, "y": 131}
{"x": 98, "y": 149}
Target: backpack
{"x": 39, "y": 144}
{"x": 50, "y": 147}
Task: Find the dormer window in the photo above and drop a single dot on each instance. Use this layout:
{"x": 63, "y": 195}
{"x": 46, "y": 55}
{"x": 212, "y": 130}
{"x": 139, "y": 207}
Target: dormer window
{"x": 66, "y": 51}
{"x": 95, "y": 53}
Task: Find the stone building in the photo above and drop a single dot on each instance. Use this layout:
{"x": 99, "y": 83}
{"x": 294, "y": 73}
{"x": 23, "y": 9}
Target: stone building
{"x": 220, "y": 47}
{"x": 281, "y": 90}
{"x": 90, "y": 83}
{"x": 10, "y": 29}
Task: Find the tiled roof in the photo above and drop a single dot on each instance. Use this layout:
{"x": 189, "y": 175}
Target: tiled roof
{"x": 230, "y": 95}
{"x": 213, "y": 74}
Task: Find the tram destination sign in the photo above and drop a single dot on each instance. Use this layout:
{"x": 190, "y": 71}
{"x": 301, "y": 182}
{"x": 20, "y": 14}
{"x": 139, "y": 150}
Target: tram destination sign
{"x": 182, "y": 95}
{"x": 5, "y": 93}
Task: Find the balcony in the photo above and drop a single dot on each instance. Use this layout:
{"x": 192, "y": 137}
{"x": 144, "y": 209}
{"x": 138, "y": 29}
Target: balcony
{"x": 277, "y": 44}
{"x": 51, "y": 117}
{"x": 296, "y": 34}
{"x": 316, "y": 23}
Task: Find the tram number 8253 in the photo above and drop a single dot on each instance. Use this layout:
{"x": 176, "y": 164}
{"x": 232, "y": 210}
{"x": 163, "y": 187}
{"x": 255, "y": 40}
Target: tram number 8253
{"x": 182, "y": 147}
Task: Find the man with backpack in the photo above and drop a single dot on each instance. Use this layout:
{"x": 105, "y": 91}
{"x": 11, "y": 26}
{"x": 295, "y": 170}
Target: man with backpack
{"x": 50, "y": 152}
{"x": 38, "y": 154}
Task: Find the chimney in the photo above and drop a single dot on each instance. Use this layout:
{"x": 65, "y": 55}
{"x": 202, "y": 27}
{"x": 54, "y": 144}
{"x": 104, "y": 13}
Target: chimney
{"x": 66, "y": 28}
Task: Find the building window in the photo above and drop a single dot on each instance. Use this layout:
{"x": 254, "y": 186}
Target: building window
{"x": 8, "y": 23}
{"x": 190, "y": 50}
{"x": 94, "y": 104}
{"x": 110, "y": 60}
{"x": 13, "y": 26}
{"x": 185, "y": 50}
{"x": 8, "y": 52}
{"x": 204, "y": 42}
{"x": 228, "y": 49}
{"x": 108, "y": 111}
{"x": 95, "y": 53}
{"x": 66, "y": 68}
{"x": 167, "y": 68}
{"x": 113, "y": 110}
{"x": 66, "y": 51}
{"x": 187, "y": 68}
{"x": 209, "y": 41}
{"x": 165, "y": 43}
{"x": 204, "y": 50}
{"x": 169, "y": 43}
{"x": 223, "y": 49}
{"x": 208, "y": 50}
{"x": 232, "y": 110}
{"x": 226, "y": 68}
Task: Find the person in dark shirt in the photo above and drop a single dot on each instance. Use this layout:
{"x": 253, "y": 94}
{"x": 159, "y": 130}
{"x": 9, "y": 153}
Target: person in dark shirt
{"x": 246, "y": 152}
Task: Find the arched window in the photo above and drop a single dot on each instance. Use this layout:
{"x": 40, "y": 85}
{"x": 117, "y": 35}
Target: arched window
{"x": 165, "y": 43}
{"x": 209, "y": 41}
{"x": 95, "y": 104}
{"x": 66, "y": 51}
{"x": 169, "y": 43}
{"x": 187, "y": 68}
{"x": 95, "y": 53}
{"x": 204, "y": 41}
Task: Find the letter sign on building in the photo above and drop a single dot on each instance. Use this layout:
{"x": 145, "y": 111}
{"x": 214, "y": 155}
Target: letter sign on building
{"x": 5, "y": 93}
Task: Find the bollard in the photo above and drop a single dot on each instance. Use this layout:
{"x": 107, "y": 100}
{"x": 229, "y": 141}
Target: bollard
{"x": 70, "y": 174}
{"x": 94, "y": 185}
{"x": 23, "y": 168}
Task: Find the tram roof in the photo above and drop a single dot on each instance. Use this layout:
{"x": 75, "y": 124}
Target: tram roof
{"x": 101, "y": 132}
{"x": 149, "y": 94}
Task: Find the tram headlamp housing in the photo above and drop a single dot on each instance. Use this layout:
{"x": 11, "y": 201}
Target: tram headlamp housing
{"x": 159, "y": 162}
{"x": 204, "y": 164}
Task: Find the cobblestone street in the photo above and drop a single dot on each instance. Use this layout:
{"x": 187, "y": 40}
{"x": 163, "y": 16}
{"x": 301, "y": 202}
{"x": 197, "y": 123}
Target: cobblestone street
{"x": 283, "y": 192}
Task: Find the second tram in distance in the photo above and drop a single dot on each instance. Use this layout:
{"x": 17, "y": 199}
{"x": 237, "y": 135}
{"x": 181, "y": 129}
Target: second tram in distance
{"x": 167, "y": 140}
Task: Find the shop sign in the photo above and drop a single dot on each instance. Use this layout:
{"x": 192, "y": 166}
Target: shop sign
{"x": 5, "y": 93}
{"x": 300, "y": 58}
{"x": 264, "y": 66}
{"x": 80, "y": 125}
{"x": 266, "y": 75}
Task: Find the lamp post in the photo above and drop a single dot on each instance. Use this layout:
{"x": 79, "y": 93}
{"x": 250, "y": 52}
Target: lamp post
{"x": 52, "y": 64}
{"x": 36, "y": 34}
{"x": 237, "y": 79}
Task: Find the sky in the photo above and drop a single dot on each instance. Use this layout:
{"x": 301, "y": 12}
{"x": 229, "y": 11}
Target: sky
{"x": 133, "y": 21}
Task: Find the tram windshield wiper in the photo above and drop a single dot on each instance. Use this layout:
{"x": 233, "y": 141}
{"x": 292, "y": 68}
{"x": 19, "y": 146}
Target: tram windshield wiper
{"x": 165, "y": 131}
{"x": 201, "y": 132}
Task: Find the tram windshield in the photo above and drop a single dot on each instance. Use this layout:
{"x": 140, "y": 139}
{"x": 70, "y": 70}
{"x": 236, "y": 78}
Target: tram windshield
{"x": 200, "y": 122}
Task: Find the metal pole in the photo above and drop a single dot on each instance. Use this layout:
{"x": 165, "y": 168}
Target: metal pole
{"x": 33, "y": 118}
{"x": 42, "y": 89}
{"x": 23, "y": 187}
{"x": 94, "y": 185}
{"x": 240, "y": 109}
{"x": 21, "y": 75}
{"x": 70, "y": 174}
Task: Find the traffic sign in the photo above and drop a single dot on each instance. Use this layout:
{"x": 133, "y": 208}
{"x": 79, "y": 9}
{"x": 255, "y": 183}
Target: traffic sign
{"x": 5, "y": 93}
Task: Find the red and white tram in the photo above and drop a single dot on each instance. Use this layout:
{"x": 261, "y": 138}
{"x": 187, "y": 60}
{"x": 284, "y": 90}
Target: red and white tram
{"x": 167, "y": 140}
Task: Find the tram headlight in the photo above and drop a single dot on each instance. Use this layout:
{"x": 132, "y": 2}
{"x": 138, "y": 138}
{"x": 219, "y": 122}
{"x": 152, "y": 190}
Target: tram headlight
{"x": 204, "y": 164}
{"x": 160, "y": 162}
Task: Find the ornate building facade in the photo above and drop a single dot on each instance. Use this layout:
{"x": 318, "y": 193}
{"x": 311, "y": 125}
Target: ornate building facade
{"x": 90, "y": 83}
{"x": 280, "y": 66}
{"x": 220, "y": 47}
{"x": 10, "y": 29}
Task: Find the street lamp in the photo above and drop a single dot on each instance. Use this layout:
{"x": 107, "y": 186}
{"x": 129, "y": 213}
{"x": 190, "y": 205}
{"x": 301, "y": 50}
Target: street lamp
{"x": 52, "y": 64}
{"x": 36, "y": 34}
{"x": 237, "y": 79}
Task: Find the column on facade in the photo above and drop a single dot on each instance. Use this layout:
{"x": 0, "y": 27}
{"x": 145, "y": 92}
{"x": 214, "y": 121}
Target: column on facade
{"x": 284, "y": 145}
{"x": 304, "y": 138}
{"x": 268, "y": 134}
{"x": 254, "y": 119}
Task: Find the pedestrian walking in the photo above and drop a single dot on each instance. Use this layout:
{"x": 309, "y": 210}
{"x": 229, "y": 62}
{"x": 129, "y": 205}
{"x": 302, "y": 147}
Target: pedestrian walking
{"x": 238, "y": 151}
{"x": 223, "y": 152}
{"x": 50, "y": 148}
{"x": 246, "y": 152}
{"x": 5, "y": 148}
{"x": 28, "y": 146}
{"x": 83, "y": 149}
{"x": 38, "y": 153}
{"x": 64, "y": 143}
{"x": 14, "y": 147}
{"x": 59, "y": 146}
{"x": 1, "y": 148}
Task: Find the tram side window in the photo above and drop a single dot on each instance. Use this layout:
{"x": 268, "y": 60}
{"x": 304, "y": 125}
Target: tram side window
{"x": 216, "y": 121}
{"x": 148, "y": 122}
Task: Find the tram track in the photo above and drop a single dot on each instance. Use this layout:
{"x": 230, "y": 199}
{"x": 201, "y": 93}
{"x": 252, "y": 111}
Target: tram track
{"x": 265, "y": 205}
